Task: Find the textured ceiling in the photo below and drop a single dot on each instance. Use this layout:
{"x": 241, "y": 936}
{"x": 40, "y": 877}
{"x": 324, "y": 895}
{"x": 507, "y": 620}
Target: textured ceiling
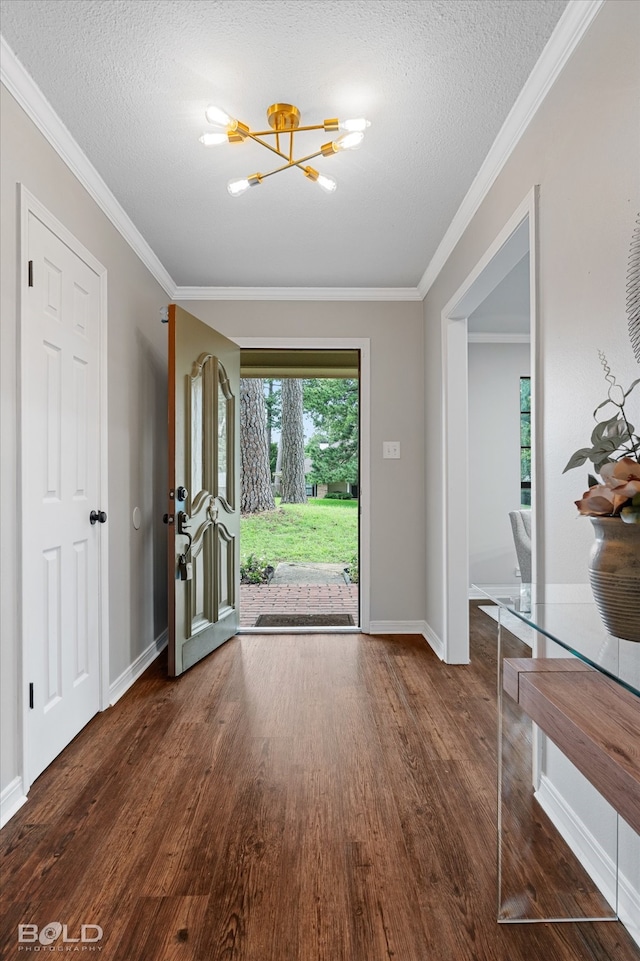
{"x": 131, "y": 80}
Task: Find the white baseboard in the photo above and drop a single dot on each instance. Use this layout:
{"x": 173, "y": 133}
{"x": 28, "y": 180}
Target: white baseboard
{"x": 409, "y": 627}
{"x": 495, "y": 590}
{"x": 396, "y": 627}
{"x": 591, "y": 855}
{"x": 433, "y": 640}
{"x": 11, "y": 800}
{"x": 128, "y": 677}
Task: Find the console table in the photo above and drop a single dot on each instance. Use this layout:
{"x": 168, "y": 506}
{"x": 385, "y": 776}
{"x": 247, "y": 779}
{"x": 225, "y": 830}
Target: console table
{"x": 568, "y": 760}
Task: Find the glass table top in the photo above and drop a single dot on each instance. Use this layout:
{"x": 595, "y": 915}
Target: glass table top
{"x": 575, "y": 626}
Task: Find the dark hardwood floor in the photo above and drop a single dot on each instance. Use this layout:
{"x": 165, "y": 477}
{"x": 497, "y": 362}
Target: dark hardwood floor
{"x": 291, "y": 798}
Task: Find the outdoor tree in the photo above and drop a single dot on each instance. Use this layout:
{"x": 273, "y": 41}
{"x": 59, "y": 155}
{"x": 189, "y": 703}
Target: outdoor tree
{"x": 333, "y": 408}
{"x": 273, "y": 404}
{"x": 273, "y": 456}
{"x": 277, "y": 473}
{"x": 256, "y": 494}
{"x": 292, "y": 443}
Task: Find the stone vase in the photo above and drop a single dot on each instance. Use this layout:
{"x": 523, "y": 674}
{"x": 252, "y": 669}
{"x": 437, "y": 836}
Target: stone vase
{"x": 614, "y": 572}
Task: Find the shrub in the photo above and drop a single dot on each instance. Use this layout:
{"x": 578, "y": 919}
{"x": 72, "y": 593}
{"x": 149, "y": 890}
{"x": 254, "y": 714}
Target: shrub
{"x": 255, "y": 570}
{"x": 353, "y": 570}
{"x": 338, "y": 496}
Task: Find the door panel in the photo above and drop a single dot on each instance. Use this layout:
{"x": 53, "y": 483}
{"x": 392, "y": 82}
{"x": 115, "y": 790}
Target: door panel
{"x": 204, "y": 453}
{"x": 60, "y": 362}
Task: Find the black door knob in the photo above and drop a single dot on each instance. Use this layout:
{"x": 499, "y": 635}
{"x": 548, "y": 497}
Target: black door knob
{"x": 97, "y": 517}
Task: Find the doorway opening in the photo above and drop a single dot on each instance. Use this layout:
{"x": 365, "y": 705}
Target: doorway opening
{"x": 515, "y": 241}
{"x": 300, "y": 532}
{"x": 499, "y": 380}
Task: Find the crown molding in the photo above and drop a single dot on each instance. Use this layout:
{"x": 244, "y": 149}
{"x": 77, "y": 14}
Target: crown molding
{"x": 27, "y": 93}
{"x": 506, "y": 338}
{"x": 571, "y": 27}
{"x": 298, "y": 293}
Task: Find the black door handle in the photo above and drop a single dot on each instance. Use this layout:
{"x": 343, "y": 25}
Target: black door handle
{"x": 97, "y": 517}
{"x": 183, "y": 525}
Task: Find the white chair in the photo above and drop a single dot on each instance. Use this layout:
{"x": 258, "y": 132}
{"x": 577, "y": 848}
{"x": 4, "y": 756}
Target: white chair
{"x": 521, "y": 527}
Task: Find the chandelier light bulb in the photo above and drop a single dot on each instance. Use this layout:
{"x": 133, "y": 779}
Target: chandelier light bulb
{"x": 358, "y": 125}
{"x": 237, "y": 187}
{"x": 211, "y": 139}
{"x": 349, "y": 141}
{"x": 327, "y": 183}
{"x": 218, "y": 116}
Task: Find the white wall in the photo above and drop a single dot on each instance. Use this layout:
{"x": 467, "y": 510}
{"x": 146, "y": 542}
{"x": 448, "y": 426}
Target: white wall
{"x": 494, "y": 458}
{"x": 137, "y": 416}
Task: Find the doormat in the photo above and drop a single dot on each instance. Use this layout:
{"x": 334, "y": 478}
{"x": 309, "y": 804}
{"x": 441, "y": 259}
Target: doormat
{"x": 305, "y": 620}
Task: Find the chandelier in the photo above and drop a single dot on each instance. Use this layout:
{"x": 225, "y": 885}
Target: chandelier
{"x": 284, "y": 121}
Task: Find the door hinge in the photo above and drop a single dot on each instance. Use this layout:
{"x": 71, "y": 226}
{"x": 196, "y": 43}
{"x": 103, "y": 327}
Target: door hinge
{"x": 30, "y": 273}
{"x": 31, "y": 695}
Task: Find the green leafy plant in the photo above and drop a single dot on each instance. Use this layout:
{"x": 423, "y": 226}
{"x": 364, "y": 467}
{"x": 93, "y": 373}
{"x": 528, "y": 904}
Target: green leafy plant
{"x": 615, "y": 454}
{"x": 338, "y": 496}
{"x": 353, "y": 570}
{"x": 255, "y": 570}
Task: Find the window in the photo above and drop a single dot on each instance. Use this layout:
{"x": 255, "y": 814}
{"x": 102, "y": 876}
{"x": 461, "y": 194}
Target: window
{"x": 525, "y": 442}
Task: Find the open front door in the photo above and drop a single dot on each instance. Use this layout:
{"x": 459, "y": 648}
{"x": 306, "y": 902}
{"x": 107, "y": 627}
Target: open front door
{"x": 204, "y": 490}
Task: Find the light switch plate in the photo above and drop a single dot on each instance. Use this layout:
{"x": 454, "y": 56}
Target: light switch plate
{"x": 391, "y": 449}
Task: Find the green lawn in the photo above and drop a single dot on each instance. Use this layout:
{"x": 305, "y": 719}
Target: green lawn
{"x": 319, "y": 532}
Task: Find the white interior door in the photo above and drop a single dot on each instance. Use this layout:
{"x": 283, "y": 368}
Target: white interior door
{"x": 61, "y": 465}
{"x": 204, "y": 490}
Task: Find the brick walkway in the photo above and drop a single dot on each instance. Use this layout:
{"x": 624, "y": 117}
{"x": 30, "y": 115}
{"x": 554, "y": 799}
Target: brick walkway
{"x": 297, "y": 599}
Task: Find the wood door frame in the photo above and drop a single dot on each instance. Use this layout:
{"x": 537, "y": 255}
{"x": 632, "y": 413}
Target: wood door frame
{"x": 31, "y": 205}
{"x": 363, "y": 344}
{"x": 517, "y": 236}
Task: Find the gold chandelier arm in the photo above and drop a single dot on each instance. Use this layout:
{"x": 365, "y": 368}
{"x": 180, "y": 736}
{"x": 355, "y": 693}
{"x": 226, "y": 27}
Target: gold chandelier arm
{"x": 292, "y": 163}
{"x": 254, "y": 136}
